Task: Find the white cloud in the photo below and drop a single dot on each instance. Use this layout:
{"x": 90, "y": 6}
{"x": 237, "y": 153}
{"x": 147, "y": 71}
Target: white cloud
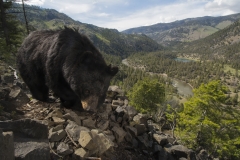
{"x": 107, "y": 13}
{"x": 35, "y": 2}
{"x": 75, "y": 9}
{"x": 102, "y": 15}
{"x": 158, "y": 14}
{"x": 223, "y": 5}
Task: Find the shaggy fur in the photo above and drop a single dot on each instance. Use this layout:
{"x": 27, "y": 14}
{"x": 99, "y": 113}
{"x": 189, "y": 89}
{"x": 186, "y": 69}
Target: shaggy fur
{"x": 66, "y": 62}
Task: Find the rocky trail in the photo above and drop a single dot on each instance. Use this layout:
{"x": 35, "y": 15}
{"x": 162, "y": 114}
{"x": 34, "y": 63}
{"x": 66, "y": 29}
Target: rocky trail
{"x": 33, "y": 130}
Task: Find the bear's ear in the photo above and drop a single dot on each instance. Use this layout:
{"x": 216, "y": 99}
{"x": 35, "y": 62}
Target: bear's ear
{"x": 112, "y": 70}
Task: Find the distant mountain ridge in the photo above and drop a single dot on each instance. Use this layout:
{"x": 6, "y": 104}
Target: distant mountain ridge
{"x": 108, "y": 41}
{"x": 224, "y": 44}
{"x": 186, "y": 30}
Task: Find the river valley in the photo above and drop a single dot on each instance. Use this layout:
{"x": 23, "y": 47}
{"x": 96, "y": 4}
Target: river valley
{"x": 184, "y": 89}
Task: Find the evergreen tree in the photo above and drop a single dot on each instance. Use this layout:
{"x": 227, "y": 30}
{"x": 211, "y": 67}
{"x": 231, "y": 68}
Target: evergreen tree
{"x": 11, "y": 32}
{"x": 146, "y": 94}
{"x": 208, "y": 122}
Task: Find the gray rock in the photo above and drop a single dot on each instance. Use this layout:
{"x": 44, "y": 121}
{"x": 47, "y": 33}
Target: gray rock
{"x": 202, "y": 155}
{"x": 135, "y": 143}
{"x": 192, "y": 155}
{"x": 104, "y": 111}
{"x": 63, "y": 149}
{"x": 115, "y": 89}
{"x": 80, "y": 153}
{"x": 30, "y": 139}
{"x": 113, "y": 117}
{"x": 17, "y": 97}
{"x": 86, "y": 140}
{"x": 103, "y": 124}
{"x": 57, "y": 128}
{"x": 29, "y": 149}
{"x": 141, "y": 128}
{"x": 113, "y": 124}
{"x": 56, "y": 136}
{"x": 119, "y": 110}
{"x": 157, "y": 148}
{"x": 171, "y": 139}
{"x": 74, "y": 130}
{"x": 131, "y": 111}
{"x": 6, "y": 145}
{"x": 128, "y": 137}
{"x": 1, "y": 144}
{"x": 163, "y": 155}
{"x": 109, "y": 134}
{"x": 14, "y": 92}
{"x": 4, "y": 92}
{"x": 181, "y": 151}
{"x": 103, "y": 144}
{"x": 140, "y": 119}
{"x": 29, "y": 127}
{"x": 58, "y": 120}
{"x": 55, "y": 113}
{"x": 89, "y": 123}
{"x": 125, "y": 102}
{"x": 161, "y": 139}
{"x": 8, "y": 78}
{"x": 154, "y": 127}
{"x": 119, "y": 119}
{"x": 118, "y": 102}
{"x": 145, "y": 140}
{"x": 71, "y": 115}
{"x": 125, "y": 117}
{"x": 119, "y": 134}
{"x": 96, "y": 143}
{"x": 131, "y": 130}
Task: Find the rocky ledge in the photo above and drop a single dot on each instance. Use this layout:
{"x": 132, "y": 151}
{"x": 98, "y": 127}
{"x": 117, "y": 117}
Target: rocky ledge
{"x": 30, "y": 129}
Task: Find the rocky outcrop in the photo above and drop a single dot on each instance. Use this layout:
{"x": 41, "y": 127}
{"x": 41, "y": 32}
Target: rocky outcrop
{"x": 49, "y": 131}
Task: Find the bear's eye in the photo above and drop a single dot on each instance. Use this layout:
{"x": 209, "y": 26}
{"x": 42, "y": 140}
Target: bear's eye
{"x": 86, "y": 92}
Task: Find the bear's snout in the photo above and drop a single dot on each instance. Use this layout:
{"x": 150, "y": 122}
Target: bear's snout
{"x": 90, "y": 103}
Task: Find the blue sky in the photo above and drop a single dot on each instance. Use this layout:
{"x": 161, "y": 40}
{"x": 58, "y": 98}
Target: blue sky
{"x": 125, "y": 14}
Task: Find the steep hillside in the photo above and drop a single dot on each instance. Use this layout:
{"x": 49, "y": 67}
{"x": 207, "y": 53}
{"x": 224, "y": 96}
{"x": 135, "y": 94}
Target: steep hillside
{"x": 109, "y": 41}
{"x": 186, "y": 30}
{"x": 224, "y": 44}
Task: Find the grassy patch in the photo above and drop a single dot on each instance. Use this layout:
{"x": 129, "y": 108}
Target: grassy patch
{"x": 189, "y": 58}
{"x": 228, "y": 68}
{"x": 103, "y": 38}
{"x": 223, "y": 24}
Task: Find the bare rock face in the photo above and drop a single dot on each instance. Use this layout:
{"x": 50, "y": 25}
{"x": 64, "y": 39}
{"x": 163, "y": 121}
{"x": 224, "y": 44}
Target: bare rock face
{"x": 30, "y": 139}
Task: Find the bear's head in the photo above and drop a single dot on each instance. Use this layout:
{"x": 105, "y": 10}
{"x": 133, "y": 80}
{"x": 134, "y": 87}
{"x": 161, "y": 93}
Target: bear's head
{"x": 91, "y": 79}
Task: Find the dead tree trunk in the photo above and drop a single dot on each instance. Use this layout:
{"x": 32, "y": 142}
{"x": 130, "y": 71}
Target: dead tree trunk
{"x": 4, "y": 23}
{"x": 25, "y": 16}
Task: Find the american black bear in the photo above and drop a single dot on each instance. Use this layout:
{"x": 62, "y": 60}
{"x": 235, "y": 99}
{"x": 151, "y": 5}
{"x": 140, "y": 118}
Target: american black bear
{"x": 66, "y": 62}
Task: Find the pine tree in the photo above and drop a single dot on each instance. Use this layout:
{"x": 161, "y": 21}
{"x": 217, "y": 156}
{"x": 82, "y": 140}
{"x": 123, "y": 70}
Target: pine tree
{"x": 146, "y": 94}
{"x": 11, "y": 32}
{"x": 208, "y": 122}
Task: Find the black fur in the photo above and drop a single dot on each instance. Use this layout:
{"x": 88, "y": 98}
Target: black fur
{"x": 66, "y": 62}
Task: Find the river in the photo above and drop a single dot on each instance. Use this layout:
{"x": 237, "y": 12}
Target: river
{"x": 183, "y": 88}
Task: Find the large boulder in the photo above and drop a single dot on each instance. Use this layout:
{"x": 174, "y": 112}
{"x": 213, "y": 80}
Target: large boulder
{"x": 30, "y": 139}
{"x": 6, "y": 145}
{"x": 181, "y": 151}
